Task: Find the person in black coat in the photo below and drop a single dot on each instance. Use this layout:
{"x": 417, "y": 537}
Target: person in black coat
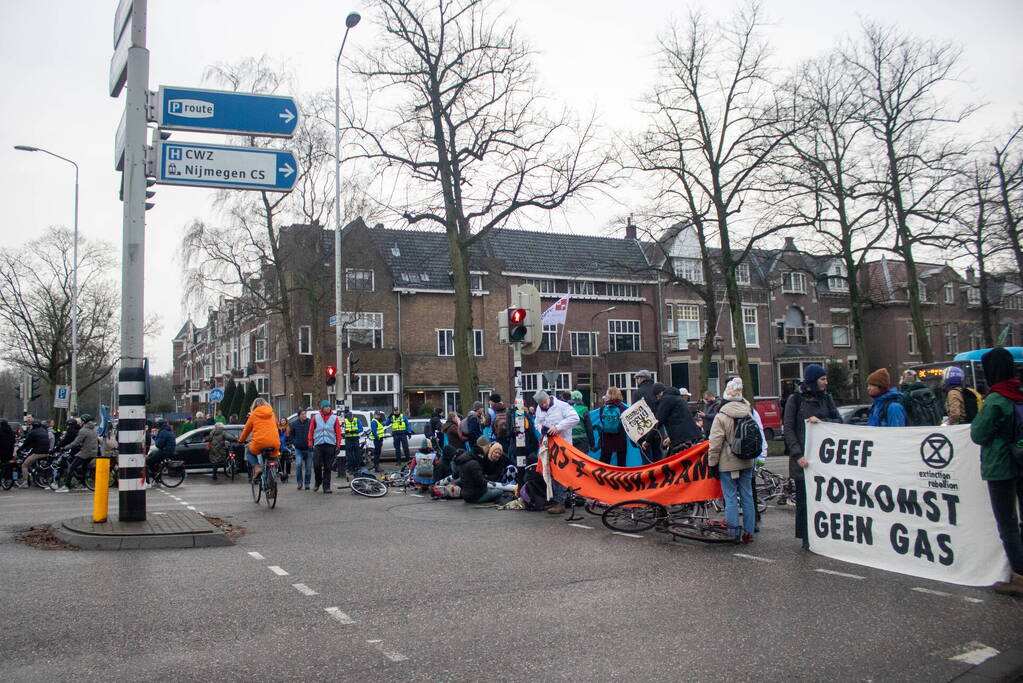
{"x": 70, "y": 434}
{"x": 473, "y": 482}
{"x": 7, "y": 439}
{"x": 811, "y": 401}
{"x": 673, "y": 414}
{"x": 647, "y": 389}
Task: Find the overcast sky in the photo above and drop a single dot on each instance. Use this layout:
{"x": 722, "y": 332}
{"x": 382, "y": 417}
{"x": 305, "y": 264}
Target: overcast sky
{"x": 593, "y": 54}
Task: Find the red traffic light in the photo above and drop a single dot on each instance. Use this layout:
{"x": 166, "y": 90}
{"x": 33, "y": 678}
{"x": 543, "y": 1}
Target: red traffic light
{"x": 517, "y": 329}
{"x": 516, "y": 315}
{"x": 331, "y": 375}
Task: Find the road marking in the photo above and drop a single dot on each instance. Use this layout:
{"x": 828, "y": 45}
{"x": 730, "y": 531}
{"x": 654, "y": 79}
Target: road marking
{"x": 842, "y": 574}
{"x": 184, "y": 502}
{"x": 394, "y": 656}
{"x": 417, "y": 495}
{"x": 579, "y": 526}
{"x": 752, "y": 557}
{"x": 304, "y": 589}
{"x": 277, "y": 570}
{"x": 622, "y": 533}
{"x": 339, "y": 615}
{"x": 978, "y": 655}
{"x": 256, "y": 556}
{"x": 943, "y": 594}
{"x": 374, "y": 641}
{"x": 190, "y": 507}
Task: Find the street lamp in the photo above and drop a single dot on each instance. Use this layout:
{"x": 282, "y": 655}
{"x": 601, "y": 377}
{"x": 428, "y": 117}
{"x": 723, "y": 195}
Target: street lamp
{"x": 351, "y": 20}
{"x": 593, "y": 385}
{"x": 73, "y": 399}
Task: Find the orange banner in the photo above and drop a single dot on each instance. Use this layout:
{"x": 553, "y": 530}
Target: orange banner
{"x": 681, "y": 478}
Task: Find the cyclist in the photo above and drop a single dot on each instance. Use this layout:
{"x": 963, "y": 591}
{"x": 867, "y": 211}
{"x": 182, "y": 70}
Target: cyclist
{"x": 37, "y": 442}
{"x": 165, "y": 444}
{"x": 262, "y": 426}
{"x": 85, "y": 447}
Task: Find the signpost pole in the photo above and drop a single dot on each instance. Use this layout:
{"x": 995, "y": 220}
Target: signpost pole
{"x": 520, "y": 406}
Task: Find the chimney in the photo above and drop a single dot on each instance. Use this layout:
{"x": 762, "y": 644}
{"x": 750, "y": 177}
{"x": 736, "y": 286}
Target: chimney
{"x": 969, "y": 274}
{"x": 790, "y": 244}
{"x": 630, "y": 230}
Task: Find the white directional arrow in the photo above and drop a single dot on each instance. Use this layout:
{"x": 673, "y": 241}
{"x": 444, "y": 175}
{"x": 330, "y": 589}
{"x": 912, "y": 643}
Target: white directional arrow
{"x": 287, "y": 170}
{"x": 287, "y": 116}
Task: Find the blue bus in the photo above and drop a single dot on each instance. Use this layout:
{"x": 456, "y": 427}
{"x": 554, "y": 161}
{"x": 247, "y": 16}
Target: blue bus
{"x": 969, "y": 361}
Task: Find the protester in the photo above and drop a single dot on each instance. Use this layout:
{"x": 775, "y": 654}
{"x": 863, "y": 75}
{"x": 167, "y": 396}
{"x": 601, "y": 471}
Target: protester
{"x": 887, "y": 410}
{"x": 993, "y": 430}
{"x": 582, "y": 433}
{"x": 376, "y": 435}
{"x": 471, "y": 480}
{"x": 673, "y": 414}
{"x": 400, "y": 432}
{"x": 711, "y": 405}
{"x": 220, "y": 417}
{"x": 554, "y": 417}
{"x": 86, "y": 447}
{"x": 423, "y": 466}
{"x": 735, "y": 474}
{"x": 452, "y": 435}
{"x": 284, "y": 432}
{"x": 325, "y": 435}
{"x": 262, "y": 426}
{"x": 186, "y": 426}
{"x": 218, "y": 448}
{"x": 445, "y": 464}
{"x": 434, "y": 431}
{"x": 961, "y": 402}
{"x": 501, "y": 422}
{"x": 353, "y": 447}
{"x": 812, "y": 403}
{"x": 471, "y": 428}
{"x": 613, "y": 441}
{"x": 303, "y": 449}
{"x": 493, "y": 459}
{"x": 649, "y": 445}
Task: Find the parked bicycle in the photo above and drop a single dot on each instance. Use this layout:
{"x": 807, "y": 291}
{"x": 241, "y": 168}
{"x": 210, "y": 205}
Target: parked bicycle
{"x": 573, "y": 500}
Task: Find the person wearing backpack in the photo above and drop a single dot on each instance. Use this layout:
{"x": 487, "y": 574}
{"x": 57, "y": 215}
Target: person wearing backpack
{"x": 424, "y": 466}
{"x": 500, "y": 422}
{"x": 471, "y": 428}
{"x": 812, "y": 403}
{"x": 997, "y": 427}
{"x": 920, "y": 404}
{"x": 582, "y": 433}
{"x": 887, "y": 410}
{"x": 962, "y": 403}
{"x": 734, "y": 471}
{"x": 609, "y": 424}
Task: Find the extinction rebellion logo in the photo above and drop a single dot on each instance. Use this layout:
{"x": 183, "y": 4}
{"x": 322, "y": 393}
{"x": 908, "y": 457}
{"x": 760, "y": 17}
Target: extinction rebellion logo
{"x": 936, "y": 451}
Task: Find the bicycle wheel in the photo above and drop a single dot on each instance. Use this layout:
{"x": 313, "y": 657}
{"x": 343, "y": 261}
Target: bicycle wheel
{"x": 230, "y": 469}
{"x": 632, "y": 516}
{"x": 257, "y": 488}
{"x": 6, "y": 482}
{"x": 43, "y": 477}
{"x": 271, "y": 492}
{"x": 171, "y": 475}
{"x": 595, "y": 507}
{"x": 702, "y": 531}
{"x": 369, "y": 487}
{"x": 90, "y": 478}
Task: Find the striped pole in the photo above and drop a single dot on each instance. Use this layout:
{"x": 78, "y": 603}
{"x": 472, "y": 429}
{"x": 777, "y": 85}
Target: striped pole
{"x": 131, "y": 437}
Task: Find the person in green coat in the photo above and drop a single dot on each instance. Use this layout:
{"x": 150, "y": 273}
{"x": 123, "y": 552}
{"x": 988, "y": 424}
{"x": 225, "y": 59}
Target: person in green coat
{"x": 991, "y": 430}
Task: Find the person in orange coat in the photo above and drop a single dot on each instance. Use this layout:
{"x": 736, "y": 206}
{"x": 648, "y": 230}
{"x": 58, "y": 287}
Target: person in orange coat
{"x": 262, "y": 426}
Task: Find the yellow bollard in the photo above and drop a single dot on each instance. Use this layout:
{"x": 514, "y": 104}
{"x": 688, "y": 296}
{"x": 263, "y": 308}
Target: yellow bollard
{"x": 99, "y": 498}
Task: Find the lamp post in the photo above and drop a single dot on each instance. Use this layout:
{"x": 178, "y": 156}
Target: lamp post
{"x": 73, "y": 399}
{"x": 351, "y": 20}
{"x": 593, "y": 385}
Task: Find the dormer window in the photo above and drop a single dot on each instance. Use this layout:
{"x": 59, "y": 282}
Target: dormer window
{"x": 793, "y": 283}
{"x": 742, "y": 274}
{"x": 922, "y": 287}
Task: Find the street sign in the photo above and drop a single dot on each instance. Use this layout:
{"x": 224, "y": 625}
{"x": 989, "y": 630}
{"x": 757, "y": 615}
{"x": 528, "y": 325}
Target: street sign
{"x": 552, "y": 378}
{"x": 61, "y": 396}
{"x": 218, "y": 111}
{"x": 216, "y": 395}
{"x": 333, "y": 321}
{"x": 240, "y": 168}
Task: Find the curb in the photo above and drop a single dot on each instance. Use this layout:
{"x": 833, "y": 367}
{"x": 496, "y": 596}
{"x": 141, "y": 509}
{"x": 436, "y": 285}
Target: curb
{"x": 144, "y": 541}
{"x": 1006, "y": 667}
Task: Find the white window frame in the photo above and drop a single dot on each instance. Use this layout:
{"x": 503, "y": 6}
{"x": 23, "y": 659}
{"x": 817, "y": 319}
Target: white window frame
{"x": 751, "y": 326}
{"x": 922, "y": 289}
{"x": 973, "y": 295}
{"x": 742, "y": 274}
{"x": 362, "y": 322}
{"x": 950, "y": 292}
{"x": 591, "y": 338}
{"x": 307, "y": 402}
{"x": 305, "y": 346}
{"x": 626, "y": 382}
{"x": 477, "y": 343}
{"x": 620, "y": 328}
{"x": 793, "y": 282}
{"x": 622, "y": 290}
{"x": 445, "y": 343}
{"x": 549, "y": 338}
{"x": 684, "y": 316}
{"x": 951, "y": 338}
{"x": 669, "y": 318}
{"x": 260, "y": 351}
{"x": 534, "y": 380}
{"x": 357, "y": 275}
{"x": 838, "y": 326}
{"x": 689, "y": 269}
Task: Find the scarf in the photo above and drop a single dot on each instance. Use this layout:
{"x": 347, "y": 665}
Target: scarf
{"x": 1011, "y": 389}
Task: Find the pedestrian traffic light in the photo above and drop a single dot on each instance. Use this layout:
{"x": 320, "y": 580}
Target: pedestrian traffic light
{"x": 35, "y": 389}
{"x": 517, "y": 327}
{"x": 353, "y": 373}
{"x": 331, "y": 375}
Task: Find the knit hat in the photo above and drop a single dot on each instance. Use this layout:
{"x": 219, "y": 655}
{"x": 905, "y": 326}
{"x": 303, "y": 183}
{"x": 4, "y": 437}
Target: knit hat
{"x": 657, "y": 388}
{"x": 880, "y": 378}
{"x": 324, "y": 404}
{"x": 541, "y": 396}
{"x": 482, "y": 442}
{"x": 813, "y": 372}
{"x": 952, "y": 376}
{"x": 998, "y": 365}
{"x": 645, "y": 373}
{"x": 495, "y": 398}
{"x": 577, "y": 395}
{"x": 733, "y": 390}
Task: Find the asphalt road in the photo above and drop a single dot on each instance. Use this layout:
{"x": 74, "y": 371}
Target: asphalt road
{"x": 405, "y": 588}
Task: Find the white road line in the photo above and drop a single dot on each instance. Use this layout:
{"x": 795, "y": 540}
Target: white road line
{"x": 752, "y": 557}
{"x": 930, "y": 591}
{"x": 980, "y": 654}
{"x": 256, "y": 556}
{"x": 417, "y": 495}
{"x": 579, "y": 526}
{"x": 277, "y": 570}
{"x": 184, "y": 502}
{"x": 190, "y": 507}
{"x": 622, "y": 533}
{"x": 842, "y": 574}
{"x": 394, "y": 656}
{"x": 374, "y": 641}
{"x": 339, "y": 615}
{"x": 304, "y": 589}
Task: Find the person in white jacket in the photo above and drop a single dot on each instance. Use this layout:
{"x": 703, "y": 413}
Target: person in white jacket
{"x": 555, "y": 417}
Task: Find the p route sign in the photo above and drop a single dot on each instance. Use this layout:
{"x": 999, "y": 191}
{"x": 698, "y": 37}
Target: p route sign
{"x": 218, "y": 111}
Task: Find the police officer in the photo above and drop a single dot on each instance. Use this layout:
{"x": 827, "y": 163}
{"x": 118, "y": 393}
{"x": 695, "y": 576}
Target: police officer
{"x": 376, "y": 432}
{"x": 352, "y": 452}
{"x": 400, "y": 431}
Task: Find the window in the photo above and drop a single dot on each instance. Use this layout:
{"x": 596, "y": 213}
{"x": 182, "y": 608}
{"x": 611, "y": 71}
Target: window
{"x": 477, "y": 342}
{"x": 950, "y": 292}
{"x": 1012, "y": 302}
{"x": 260, "y": 350}
{"x": 584, "y": 343}
{"x": 533, "y": 381}
{"x": 714, "y": 379}
{"x": 742, "y": 274}
{"x": 837, "y": 277}
{"x": 305, "y": 340}
{"x": 623, "y": 335}
{"x": 951, "y": 338}
{"x": 476, "y": 282}
{"x": 669, "y": 318}
{"x": 451, "y": 402}
{"x": 234, "y": 352}
{"x": 912, "y": 338}
{"x": 263, "y": 386}
{"x": 749, "y": 326}
{"x": 582, "y": 287}
{"x": 549, "y": 340}
{"x": 977, "y": 339}
{"x": 840, "y": 328}
{"x": 544, "y": 286}
{"x": 621, "y": 290}
{"x": 359, "y": 280}
{"x": 922, "y": 286}
{"x": 688, "y": 321}
{"x": 689, "y": 269}
{"x": 626, "y": 381}
{"x": 793, "y": 283}
{"x": 246, "y": 357}
{"x": 307, "y": 401}
{"x": 374, "y": 384}
{"x": 445, "y": 342}
{"x": 754, "y": 377}
{"x": 363, "y": 330}
{"x": 973, "y": 295}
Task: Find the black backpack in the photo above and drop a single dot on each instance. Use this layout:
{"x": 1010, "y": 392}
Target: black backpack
{"x": 921, "y": 406}
{"x": 533, "y": 491}
{"x": 746, "y": 442}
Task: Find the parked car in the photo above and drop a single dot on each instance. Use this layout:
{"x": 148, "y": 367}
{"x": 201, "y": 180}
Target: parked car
{"x": 855, "y": 415}
{"x": 416, "y": 439}
{"x": 191, "y": 446}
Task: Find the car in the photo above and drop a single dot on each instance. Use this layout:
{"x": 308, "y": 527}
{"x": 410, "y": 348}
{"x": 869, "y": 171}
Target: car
{"x": 856, "y": 414}
{"x": 191, "y": 446}
{"x": 415, "y": 441}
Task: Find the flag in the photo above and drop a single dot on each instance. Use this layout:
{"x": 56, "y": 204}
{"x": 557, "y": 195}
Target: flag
{"x": 556, "y": 314}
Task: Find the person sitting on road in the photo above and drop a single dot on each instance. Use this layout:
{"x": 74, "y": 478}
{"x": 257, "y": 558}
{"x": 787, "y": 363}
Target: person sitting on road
{"x": 262, "y": 426}
{"x": 85, "y": 447}
{"x": 494, "y": 460}
{"x": 37, "y": 442}
{"x": 424, "y": 466}
{"x": 445, "y": 464}
{"x": 472, "y": 482}
{"x": 165, "y": 444}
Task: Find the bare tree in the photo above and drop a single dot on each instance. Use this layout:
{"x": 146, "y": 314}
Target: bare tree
{"x": 1008, "y": 165}
{"x": 35, "y": 309}
{"x": 900, "y": 80}
{"x": 719, "y": 121}
{"x": 464, "y": 131}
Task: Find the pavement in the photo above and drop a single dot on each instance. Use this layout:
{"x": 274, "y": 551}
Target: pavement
{"x": 405, "y": 588}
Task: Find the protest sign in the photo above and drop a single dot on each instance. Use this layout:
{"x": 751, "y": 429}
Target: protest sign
{"x": 903, "y": 499}
{"x": 638, "y": 419}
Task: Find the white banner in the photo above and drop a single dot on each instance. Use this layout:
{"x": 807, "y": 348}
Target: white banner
{"x": 903, "y": 499}
{"x": 556, "y": 314}
{"x": 638, "y": 420}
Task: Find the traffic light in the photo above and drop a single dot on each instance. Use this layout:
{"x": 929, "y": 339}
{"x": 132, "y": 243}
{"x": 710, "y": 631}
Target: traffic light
{"x": 35, "y": 389}
{"x": 331, "y": 375}
{"x": 17, "y": 389}
{"x": 353, "y": 373}
{"x": 517, "y": 327}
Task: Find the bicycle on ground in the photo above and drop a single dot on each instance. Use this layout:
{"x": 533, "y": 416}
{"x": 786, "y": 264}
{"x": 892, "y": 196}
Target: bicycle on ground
{"x": 692, "y": 521}
{"x": 366, "y": 484}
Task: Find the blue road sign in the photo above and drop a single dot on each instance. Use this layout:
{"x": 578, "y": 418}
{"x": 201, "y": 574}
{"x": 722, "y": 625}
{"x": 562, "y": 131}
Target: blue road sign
{"x": 216, "y": 111}
{"x": 216, "y": 395}
{"x": 239, "y": 168}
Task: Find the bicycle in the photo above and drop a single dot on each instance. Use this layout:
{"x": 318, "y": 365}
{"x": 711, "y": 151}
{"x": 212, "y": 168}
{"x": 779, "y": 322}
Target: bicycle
{"x": 365, "y": 484}
{"x": 169, "y": 473}
{"x": 771, "y": 487}
{"x": 591, "y": 505}
{"x": 231, "y": 465}
{"x": 691, "y": 521}
{"x": 39, "y": 474}
{"x": 266, "y": 482}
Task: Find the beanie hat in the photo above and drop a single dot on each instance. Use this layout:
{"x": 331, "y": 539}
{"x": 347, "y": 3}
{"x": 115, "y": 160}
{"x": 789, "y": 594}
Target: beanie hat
{"x": 813, "y": 372}
{"x": 657, "y": 388}
{"x": 541, "y": 396}
{"x": 577, "y": 395}
{"x": 324, "y": 403}
{"x": 733, "y": 390}
{"x": 952, "y": 376}
{"x": 495, "y": 398}
{"x": 998, "y": 365}
{"x": 880, "y": 378}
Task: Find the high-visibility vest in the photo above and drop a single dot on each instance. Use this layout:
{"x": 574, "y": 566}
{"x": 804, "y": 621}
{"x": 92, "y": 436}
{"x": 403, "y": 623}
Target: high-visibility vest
{"x": 377, "y": 428}
{"x": 323, "y": 430}
{"x": 351, "y": 427}
{"x": 399, "y": 423}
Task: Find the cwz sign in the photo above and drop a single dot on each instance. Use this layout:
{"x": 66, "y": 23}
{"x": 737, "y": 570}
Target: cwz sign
{"x": 907, "y": 499}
